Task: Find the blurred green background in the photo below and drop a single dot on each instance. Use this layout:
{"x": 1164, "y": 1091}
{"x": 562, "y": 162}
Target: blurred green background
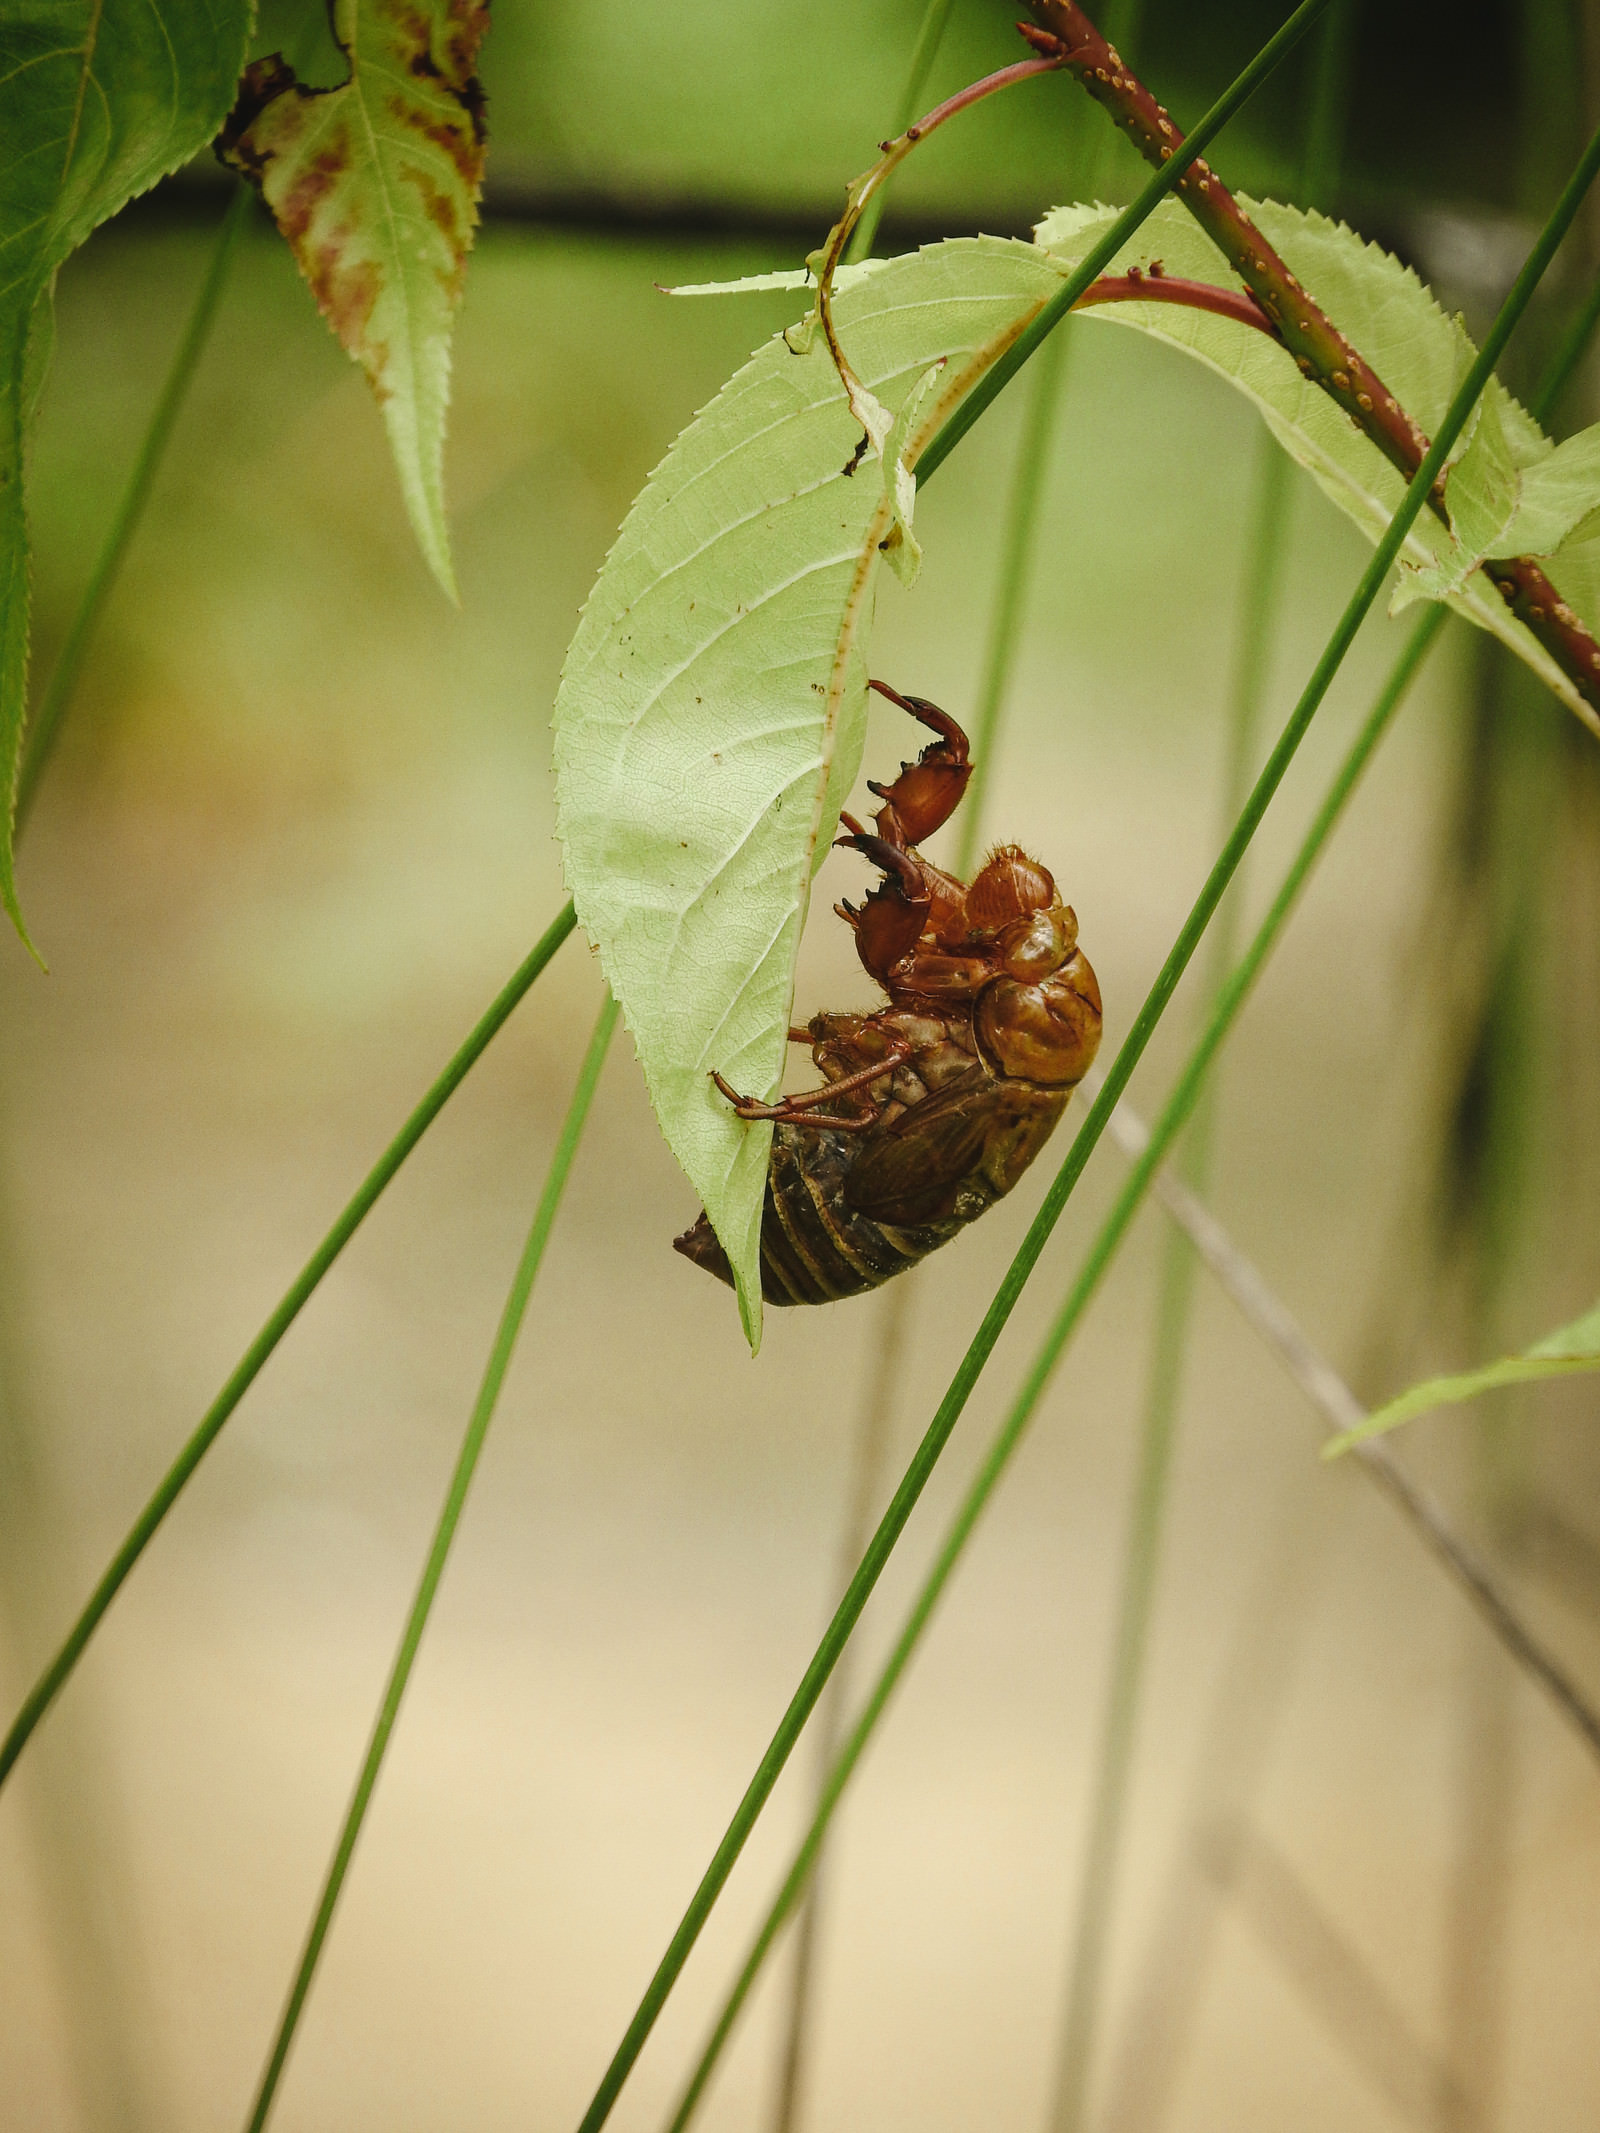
{"x": 300, "y": 828}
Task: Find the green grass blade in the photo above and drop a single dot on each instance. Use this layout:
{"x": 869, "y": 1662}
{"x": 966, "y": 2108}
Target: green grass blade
{"x": 1568, "y": 355}
{"x": 871, "y": 1431}
{"x": 1011, "y": 586}
{"x": 1095, "y": 1908}
{"x": 1569, "y": 1349}
{"x": 433, "y": 1569}
{"x": 994, "y": 1465}
{"x": 1061, "y": 1187}
{"x": 46, "y": 721}
{"x": 999, "y": 376}
{"x": 1330, "y": 104}
{"x": 874, "y": 1426}
{"x": 298, "y": 1295}
{"x": 1257, "y": 630}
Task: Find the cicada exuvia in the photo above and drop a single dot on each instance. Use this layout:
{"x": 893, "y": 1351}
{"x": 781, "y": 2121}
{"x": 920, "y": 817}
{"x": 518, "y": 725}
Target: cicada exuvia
{"x": 932, "y": 1107}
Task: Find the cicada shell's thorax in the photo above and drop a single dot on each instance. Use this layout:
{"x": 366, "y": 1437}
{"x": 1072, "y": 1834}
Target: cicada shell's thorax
{"x": 931, "y": 1108}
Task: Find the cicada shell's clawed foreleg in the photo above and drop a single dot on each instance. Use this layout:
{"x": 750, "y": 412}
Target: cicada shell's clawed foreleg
{"x": 927, "y": 792}
{"x": 889, "y": 924}
{"x": 905, "y": 876}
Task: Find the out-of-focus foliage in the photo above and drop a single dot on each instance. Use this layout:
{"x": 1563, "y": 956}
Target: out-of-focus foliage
{"x": 708, "y": 101}
{"x": 98, "y": 99}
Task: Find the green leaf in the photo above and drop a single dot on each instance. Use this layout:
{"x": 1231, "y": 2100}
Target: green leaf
{"x": 1558, "y": 494}
{"x": 1509, "y": 490}
{"x": 98, "y": 99}
{"x": 375, "y": 184}
{"x": 1564, "y": 1353}
{"x": 711, "y": 712}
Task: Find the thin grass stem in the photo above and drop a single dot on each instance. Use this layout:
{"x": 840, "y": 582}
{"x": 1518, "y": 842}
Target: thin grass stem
{"x": 1108, "y": 1239}
{"x": 1258, "y": 617}
{"x": 1011, "y": 585}
{"x": 300, "y": 1292}
{"x": 870, "y": 1452}
{"x": 494, "y": 1375}
{"x": 1033, "y": 452}
{"x": 870, "y": 1436}
{"x": 1270, "y": 1319}
{"x": 1330, "y": 103}
{"x": 1022, "y": 508}
{"x": 1259, "y": 614}
{"x": 46, "y": 723}
{"x": 1011, "y": 591}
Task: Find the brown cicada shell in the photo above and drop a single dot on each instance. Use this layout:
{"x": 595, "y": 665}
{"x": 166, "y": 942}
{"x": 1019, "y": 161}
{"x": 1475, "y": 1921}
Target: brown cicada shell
{"x": 932, "y": 1108}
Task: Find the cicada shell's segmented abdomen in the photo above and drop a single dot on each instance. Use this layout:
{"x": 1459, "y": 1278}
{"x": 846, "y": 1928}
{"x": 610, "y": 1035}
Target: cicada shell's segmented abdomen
{"x": 931, "y": 1108}
{"x": 815, "y": 1248}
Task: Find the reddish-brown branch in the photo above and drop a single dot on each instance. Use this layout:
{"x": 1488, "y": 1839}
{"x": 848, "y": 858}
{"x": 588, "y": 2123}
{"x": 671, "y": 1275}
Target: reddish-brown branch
{"x": 1310, "y": 336}
{"x": 1153, "y": 287}
{"x": 1536, "y": 603}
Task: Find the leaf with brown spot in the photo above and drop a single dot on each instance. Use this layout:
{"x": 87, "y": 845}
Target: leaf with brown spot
{"x": 375, "y": 185}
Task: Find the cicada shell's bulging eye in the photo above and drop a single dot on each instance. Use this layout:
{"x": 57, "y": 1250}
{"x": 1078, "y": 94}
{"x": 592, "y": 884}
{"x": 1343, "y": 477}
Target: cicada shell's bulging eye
{"x": 1031, "y": 948}
{"x": 1010, "y": 886}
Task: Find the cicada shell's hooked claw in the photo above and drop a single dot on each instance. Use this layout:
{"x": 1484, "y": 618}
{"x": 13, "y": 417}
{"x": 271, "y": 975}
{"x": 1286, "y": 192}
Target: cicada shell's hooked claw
{"x": 900, "y": 869}
{"x": 890, "y": 923}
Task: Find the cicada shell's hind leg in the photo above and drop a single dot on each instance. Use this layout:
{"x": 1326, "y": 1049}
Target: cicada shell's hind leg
{"x": 804, "y": 1110}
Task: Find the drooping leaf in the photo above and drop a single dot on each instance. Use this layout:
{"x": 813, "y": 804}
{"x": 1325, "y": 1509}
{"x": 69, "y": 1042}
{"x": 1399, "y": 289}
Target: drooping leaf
{"x": 375, "y": 184}
{"x": 98, "y": 99}
{"x": 1509, "y": 490}
{"x": 1564, "y": 1353}
{"x": 712, "y": 706}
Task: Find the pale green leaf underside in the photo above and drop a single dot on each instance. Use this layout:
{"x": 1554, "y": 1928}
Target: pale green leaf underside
{"x": 375, "y": 184}
{"x": 710, "y": 716}
{"x": 1564, "y": 1353}
{"x": 1510, "y": 492}
{"x": 98, "y": 99}
{"x": 844, "y": 277}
